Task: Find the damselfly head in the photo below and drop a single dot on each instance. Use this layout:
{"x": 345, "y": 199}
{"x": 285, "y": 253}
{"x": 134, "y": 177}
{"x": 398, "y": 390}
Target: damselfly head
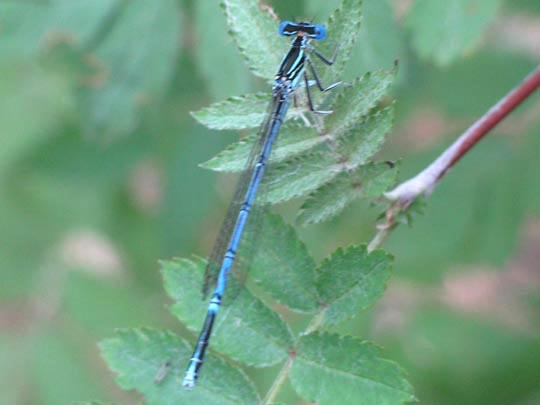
{"x": 313, "y": 31}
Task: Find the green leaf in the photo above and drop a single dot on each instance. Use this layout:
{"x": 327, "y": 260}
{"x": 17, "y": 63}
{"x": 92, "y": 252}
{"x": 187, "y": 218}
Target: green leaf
{"x": 307, "y": 172}
{"x": 241, "y": 112}
{"x": 343, "y": 28}
{"x": 376, "y": 178}
{"x": 355, "y": 101}
{"x": 368, "y": 181}
{"x": 330, "y": 369}
{"x": 310, "y": 171}
{"x": 249, "y": 111}
{"x": 138, "y": 356}
{"x": 442, "y": 31}
{"x": 136, "y": 60}
{"x": 351, "y": 280}
{"x": 364, "y": 138}
{"x": 246, "y": 330}
{"x": 291, "y": 280}
{"x": 248, "y": 21}
{"x": 293, "y": 140}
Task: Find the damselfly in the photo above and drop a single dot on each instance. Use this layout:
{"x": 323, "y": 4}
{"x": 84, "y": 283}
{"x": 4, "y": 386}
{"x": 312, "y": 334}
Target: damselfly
{"x": 291, "y": 74}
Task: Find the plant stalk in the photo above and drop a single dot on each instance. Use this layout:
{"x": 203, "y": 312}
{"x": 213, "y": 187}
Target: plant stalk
{"x": 424, "y": 182}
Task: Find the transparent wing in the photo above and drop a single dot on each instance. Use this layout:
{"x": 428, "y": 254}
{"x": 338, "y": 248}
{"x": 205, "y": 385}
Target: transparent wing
{"x": 227, "y": 227}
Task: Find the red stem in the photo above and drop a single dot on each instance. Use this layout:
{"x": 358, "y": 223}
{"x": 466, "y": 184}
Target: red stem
{"x": 495, "y": 115}
{"x": 425, "y": 181}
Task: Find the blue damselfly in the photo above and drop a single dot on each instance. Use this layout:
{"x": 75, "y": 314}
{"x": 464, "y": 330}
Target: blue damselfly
{"x": 290, "y": 75}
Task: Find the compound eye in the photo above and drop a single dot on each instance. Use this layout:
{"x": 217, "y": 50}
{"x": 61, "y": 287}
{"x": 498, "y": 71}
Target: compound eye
{"x": 282, "y": 30}
{"x": 320, "y": 32}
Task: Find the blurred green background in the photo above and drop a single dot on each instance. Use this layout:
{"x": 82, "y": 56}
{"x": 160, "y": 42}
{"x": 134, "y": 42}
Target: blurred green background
{"x": 99, "y": 180}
